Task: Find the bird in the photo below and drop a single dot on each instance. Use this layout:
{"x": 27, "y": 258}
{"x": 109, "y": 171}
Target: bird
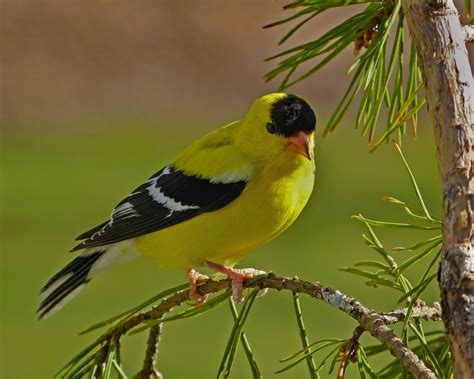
{"x": 224, "y": 196}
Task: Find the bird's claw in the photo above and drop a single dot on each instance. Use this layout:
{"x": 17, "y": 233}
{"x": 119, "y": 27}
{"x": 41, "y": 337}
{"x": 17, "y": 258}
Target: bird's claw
{"x": 193, "y": 277}
{"x": 239, "y": 276}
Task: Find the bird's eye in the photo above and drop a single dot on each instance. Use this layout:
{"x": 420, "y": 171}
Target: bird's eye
{"x": 271, "y": 128}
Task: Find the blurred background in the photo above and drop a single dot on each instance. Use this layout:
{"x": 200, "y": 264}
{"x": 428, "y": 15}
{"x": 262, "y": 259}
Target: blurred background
{"x": 95, "y": 97}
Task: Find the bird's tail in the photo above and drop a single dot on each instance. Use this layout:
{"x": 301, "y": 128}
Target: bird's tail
{"x": 67, "y": 283}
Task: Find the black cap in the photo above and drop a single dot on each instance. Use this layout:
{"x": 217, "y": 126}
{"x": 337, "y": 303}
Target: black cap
{"x": 291, "y": 115}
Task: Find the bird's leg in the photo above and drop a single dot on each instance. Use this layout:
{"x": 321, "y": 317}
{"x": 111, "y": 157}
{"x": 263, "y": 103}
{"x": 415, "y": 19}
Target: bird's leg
{"x": 238, "y": 276}
{"x": 194, "y": 295}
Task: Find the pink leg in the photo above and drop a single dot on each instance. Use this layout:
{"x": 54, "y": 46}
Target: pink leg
{"x": 238, "y": 276}
{"x": 194, "y": 295}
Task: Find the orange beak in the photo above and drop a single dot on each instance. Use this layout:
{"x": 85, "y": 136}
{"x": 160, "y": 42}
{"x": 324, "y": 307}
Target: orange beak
{"x": 299, "y": 144}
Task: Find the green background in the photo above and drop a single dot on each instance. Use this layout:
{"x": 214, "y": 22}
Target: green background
{"x": 57, "y": 184}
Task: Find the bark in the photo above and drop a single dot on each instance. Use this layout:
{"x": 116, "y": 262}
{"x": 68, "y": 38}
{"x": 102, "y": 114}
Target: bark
{"x": 149, "y": 370}
{"x": 436, "y": 30}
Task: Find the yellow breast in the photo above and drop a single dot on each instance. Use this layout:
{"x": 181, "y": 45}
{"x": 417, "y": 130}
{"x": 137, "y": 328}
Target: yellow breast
{"x": 271, "y": 202}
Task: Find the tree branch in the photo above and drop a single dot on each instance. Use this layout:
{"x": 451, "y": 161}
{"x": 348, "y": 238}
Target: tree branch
{"x": 437, "y": 33}
{"x": 349, "y": 350}
{"x": 149, "y": 370}
{"x": 369, "y": 320}
{"x": 420, "y": 312}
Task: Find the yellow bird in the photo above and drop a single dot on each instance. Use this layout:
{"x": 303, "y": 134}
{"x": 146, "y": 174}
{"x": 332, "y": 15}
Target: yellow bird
{"x": 225, "y": 195}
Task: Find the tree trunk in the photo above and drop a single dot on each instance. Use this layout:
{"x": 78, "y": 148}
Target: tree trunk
{"x": 437, "y": 33}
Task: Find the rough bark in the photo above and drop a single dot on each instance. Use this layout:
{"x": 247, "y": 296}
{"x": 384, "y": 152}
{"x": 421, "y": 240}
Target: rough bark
{"x": 438, "y": 35}
{"x": 149, "y": 370}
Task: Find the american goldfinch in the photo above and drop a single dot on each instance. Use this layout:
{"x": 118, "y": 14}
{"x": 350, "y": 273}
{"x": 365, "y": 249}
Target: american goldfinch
{"x": 225, "y": 195}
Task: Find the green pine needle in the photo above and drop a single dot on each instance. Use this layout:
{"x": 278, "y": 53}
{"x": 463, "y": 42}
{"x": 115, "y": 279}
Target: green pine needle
{"x": 190, "y": 312}
{"x": 234, "y": 338}
{"x": 304, "y": 337}
{"x": 381, "y": 79}
{"x": 256, "y": 373}
{"x": 127, "y": 314}
{"x": 320, "y": 345}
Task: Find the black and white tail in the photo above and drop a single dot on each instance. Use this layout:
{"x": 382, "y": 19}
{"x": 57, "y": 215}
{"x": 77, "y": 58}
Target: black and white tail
{"x": 67, "y": 283}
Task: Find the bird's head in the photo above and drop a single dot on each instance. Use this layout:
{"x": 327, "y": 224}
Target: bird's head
{"x": 278, "y": 123}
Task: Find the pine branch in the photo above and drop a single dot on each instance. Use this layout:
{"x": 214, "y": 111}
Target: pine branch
{"x": 420, "y": 312}
{"x": 369, "y": 320}
{"x": 349, "y": 350}
{"x": 149, "y": 370}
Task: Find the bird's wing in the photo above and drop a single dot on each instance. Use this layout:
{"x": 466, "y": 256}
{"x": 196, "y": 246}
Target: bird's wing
{"x": 167, "y": 198}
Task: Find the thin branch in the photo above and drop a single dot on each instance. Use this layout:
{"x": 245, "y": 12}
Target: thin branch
{"x": 369, "y": 320}
{"x": 419, "y": 312}
{"x": 468, "y": 33}
{"x": 149, "y": 370}
{"x": 102, "y": 356}
{"x": 349, "y": 350}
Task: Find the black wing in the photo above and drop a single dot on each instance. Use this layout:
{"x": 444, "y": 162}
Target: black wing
{"x": 167, "y": 198}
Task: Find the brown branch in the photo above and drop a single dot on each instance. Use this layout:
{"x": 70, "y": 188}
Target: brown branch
{"x": 149, "y": 370}
{"x": 438, "y": 35}
{"x": 101, "y": 356}
{"x": 419, "y": 312}
{"x": 349, "y": 350}
{"x": 369, "y": 320}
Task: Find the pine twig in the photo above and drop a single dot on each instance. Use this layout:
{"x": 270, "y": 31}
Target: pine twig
{"x": 369, "y": 320}
{"x": 419, "y": 312}
{"x": 149, "y": 370}
{"x": 349, "y": 350}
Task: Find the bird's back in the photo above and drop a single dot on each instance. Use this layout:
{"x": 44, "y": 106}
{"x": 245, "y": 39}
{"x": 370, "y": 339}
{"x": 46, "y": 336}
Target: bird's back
{"x": 215, "y": 155}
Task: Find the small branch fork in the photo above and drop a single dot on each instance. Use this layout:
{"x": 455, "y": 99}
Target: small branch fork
{"x": 369, "y": 320}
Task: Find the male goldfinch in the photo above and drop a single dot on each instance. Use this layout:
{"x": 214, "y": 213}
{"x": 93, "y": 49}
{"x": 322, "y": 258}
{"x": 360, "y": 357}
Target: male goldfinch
{"x": 225, "y": 195}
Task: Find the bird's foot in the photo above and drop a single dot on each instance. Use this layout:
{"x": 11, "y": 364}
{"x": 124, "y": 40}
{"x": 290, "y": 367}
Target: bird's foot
{"x": 193, "y": 278}
{"x": 238, "y": 276}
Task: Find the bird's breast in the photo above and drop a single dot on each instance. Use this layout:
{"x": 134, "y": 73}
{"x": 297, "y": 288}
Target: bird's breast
{"x": 281, "y": 194}
{"x": 271, "y": 201}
